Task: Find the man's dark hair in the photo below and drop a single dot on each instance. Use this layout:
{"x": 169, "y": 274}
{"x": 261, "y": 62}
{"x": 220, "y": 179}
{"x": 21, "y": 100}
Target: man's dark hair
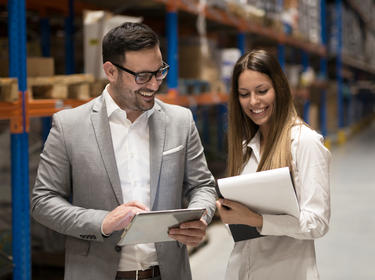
{"x": 128, "y": 36}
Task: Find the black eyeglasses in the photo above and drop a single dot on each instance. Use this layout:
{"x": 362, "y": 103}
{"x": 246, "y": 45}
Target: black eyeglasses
{"x": 144, "y": 77}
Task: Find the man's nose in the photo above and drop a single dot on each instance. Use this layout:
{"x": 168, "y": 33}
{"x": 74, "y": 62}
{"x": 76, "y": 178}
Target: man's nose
{"x": 153, "y": 83}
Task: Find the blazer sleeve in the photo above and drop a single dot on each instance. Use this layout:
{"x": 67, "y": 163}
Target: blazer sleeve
{"x": 311, "y": 162}
{"x": 52, "y": 192}
{"x": 199, "y": 184}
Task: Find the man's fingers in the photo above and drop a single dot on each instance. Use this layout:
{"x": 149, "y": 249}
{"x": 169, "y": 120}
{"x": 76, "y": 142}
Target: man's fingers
{"x": 138, "y": 205}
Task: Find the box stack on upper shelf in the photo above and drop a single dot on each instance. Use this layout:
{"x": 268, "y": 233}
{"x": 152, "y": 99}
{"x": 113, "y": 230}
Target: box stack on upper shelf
{"x": 299, "y": 18}
{"x": 358, "y": 34}
{"x": 200, "y": 67}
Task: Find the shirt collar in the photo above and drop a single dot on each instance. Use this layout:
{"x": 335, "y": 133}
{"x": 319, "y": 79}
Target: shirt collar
{"x": 254, "y": 145}
{"x": 113, "y": 107}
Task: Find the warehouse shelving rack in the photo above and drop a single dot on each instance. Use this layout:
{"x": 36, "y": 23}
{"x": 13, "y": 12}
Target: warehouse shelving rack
{"x": 19, "y": 112}
{"x": 342, "y": 60}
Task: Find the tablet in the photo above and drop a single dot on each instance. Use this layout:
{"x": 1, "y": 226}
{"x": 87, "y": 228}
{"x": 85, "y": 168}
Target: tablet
{"x": 150, "y": 227}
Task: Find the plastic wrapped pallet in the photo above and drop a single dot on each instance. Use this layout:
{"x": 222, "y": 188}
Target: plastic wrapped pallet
{"x": 96, "y": 25}
{"x": 370, "y": 49}
{"x": 309, "y": 20}
{"x": 228, "y": 60}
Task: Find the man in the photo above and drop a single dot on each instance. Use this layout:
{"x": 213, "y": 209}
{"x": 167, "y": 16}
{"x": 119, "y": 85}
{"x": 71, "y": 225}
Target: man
{"x": 122, "y": 153}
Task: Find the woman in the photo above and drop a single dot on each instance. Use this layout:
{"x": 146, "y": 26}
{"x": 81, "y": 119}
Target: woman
{"x": 266, "y": 133}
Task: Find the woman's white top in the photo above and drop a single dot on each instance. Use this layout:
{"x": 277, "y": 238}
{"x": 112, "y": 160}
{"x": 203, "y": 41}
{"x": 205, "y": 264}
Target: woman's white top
{"x": 287, "y": 250}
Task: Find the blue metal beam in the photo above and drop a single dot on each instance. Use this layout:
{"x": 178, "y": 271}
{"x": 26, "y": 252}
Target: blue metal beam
{"x": 19, "y": 146}
{"x": 172, "y": 51}
{"x": 339, "y": 64}
{"x": 241, "y": 42}
{"x": 323, "y": 69}
{"x": 69, "y": 40}
{"x": 222, "y": 126}
{"x": 306, "y": 105}
{"x": 281, "y": 55}
{"x": 20, "y": 207}
{"x": 46, "y": 52}
{"x": 45, "y": 38}
{"x": 281, "y": 47}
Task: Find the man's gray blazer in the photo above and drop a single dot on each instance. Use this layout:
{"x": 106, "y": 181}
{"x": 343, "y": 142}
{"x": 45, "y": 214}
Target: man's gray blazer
{"x": 78, "y": 184}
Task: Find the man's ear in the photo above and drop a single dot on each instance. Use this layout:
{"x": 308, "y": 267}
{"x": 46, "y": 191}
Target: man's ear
{"x": 110, "y": 71}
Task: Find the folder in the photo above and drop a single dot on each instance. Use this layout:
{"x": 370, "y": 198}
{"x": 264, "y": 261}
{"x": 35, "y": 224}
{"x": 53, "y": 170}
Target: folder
{"x": 151, "y": 227}
{"x": 264, "y": 192}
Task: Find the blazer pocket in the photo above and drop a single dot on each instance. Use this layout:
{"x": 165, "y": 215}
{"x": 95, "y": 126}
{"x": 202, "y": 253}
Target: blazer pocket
{"x": 174, "y": 150}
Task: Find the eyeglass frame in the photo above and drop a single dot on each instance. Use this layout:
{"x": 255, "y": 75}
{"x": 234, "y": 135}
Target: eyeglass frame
{"x": 135, "y": 74}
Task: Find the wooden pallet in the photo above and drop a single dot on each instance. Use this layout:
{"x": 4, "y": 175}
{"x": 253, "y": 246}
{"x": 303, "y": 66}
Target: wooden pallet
{"x": 75, "y": 86}
{"x": 8, "y": 89}
{"x": 96, "y": 87}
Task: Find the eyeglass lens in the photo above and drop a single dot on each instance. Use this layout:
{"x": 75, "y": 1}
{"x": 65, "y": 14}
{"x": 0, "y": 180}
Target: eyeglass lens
{"x": 147, "y": 76}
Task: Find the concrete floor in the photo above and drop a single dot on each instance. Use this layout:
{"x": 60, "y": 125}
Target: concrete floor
{"x": 347, "y": 252}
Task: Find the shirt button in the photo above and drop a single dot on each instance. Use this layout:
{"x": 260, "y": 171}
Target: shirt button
{"x": 117, "y": 248}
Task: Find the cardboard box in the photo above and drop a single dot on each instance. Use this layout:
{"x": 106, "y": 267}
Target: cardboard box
{"x": 8, "y": 89}
{"x": 331, "y": 103}
{"x": 314, "y": 117}
{"x": 36, "y": 67}
{"x": 194, "y": 63}
{"x": 40, "y": 67}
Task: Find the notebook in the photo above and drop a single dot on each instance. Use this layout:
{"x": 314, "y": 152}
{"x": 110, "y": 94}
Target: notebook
{"x": 264, "y": 192}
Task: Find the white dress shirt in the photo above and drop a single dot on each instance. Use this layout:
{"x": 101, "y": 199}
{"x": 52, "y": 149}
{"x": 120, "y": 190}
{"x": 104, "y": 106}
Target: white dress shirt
{"x": 287, "y": 251}
{"x": 132, "y": 153}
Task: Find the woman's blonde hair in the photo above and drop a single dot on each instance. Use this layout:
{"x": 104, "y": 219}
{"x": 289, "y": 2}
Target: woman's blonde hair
{"x": 241, "y": 129}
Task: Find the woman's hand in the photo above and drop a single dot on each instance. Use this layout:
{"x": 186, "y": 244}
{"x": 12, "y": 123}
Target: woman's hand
{"x": 232, "y": 212}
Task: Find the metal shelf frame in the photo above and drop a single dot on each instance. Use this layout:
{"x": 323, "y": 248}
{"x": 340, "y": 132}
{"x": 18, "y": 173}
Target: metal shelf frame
{"x": 20, "y": 111}
{"x": 19, "y": 144}
{"x": 323, "y": 71}
{"x": 340, "y": 116}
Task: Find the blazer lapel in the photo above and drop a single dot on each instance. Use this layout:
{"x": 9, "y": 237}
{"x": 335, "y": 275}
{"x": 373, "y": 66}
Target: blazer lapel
{"x": 102, "y": 130}
{"x": 157, "y": 139}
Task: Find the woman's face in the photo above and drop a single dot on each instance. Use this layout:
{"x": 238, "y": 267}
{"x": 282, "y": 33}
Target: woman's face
{"x": 257, "y": 97}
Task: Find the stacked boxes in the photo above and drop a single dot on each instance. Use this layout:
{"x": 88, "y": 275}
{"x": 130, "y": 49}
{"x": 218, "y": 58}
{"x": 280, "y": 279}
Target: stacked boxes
{"x": 309, "y": 20}
{"x": 370, "y": 48}
{"x": 367, "y": 9}
{"x": 300, "y": 18}
{"x": 331, "y": 103}
{"x": 228, "y": 59}
{"x": 198, "y": 67}
{"x": 36, "y": 67}
{"x": 353, "y": 38}
{"x": 352, "y": 35}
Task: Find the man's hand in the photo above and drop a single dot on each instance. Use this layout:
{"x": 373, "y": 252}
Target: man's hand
{"x": 189, "y": 233}
{"x": 121, "y": 216}
{"x": 232, "y": 212}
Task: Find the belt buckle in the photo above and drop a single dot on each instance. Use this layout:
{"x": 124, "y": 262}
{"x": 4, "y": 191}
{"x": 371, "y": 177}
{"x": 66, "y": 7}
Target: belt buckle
{"x": 152, "y": 269}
